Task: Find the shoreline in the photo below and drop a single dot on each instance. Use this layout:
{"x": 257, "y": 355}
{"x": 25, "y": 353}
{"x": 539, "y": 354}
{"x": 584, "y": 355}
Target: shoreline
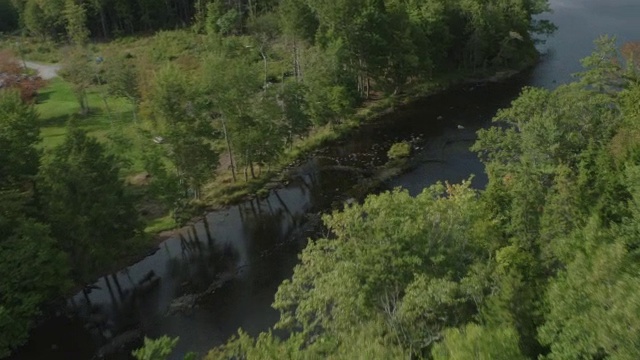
{"x": 369, "y": 113}
{"x": 260, "y": 187}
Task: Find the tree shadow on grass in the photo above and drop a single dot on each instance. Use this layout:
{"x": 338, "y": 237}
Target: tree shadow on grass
{"x": 43, "y": 96}
{"x": 56, "y": 121}
{"x": 96, "y": 120}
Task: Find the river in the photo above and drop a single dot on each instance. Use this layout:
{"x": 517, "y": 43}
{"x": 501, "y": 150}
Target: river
{"x": 246, "y": 250}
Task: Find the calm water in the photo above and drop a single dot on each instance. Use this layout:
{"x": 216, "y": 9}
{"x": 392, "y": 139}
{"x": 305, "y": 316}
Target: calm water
{"x": 250, "y": 248}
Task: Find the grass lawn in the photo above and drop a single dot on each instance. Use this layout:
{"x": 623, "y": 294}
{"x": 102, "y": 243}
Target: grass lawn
{"x": 57, "y": 103}
{"x": 160, "y": 224}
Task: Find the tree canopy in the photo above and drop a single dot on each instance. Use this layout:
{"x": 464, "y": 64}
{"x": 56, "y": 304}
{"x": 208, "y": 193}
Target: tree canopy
{"x": 237, "y": 84}
{"x": 61, "y": 220}
{"x": 83, "y": 199}
{"x": 542, "y": 264}
{"x": 33, "y": 268}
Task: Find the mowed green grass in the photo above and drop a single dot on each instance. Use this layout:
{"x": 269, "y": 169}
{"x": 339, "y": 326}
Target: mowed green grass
{"x": 57, "y": 104}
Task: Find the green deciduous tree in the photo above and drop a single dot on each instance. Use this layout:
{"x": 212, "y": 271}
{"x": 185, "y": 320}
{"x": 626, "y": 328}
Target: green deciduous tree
{"x": 293, "y": 103}
{"x": 33, "y": 268}
{"x": 558, "y": 193}
{"x": 222, "y": 19}
{"x": 265, "y": 346}
{"x": 122, "y": 77}
{"x": 475, "y": 342}
{"x": 188, "y": 135}
{"x": 83, "y": 199}
{"x": 75, "y": 16}
{"x": 591, "y": 306}
{"x": 43, "y": 17}
{"x": 229, "y": 88}
{"x": 19, "y": 133}
{"x": 78, "y": 69}
{"x": 331, "y": 93}
{"x": 396, "y": 258}
{"x": 33, "y": 271}
{"x": 156, "y": 349}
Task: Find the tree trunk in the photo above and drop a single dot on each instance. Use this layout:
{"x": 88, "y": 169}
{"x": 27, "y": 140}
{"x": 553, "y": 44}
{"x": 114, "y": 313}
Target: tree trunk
{"x": 239, "y": 25}
{"x": 368, "y": 86}
{"x": 295, "y": 60}
{"x": 103, "y": 21}
{"x": 226, "y": 137}
{"x": 264, "y": 61}
{"x": 297, "y": 69}
{"x": 104, "y": 100}
{"x": 284, "y": 206}
{"x": 253, "y": 209}
{"x": 111, "y": 293}
{"x": 117, "y": 283}
{"x": 266, "y": 200}
{"x": 84, "y": 104}
{"x": 21, "y": 50}
{"x": 207, "y": 230}
{"x": 135, "y": 112}
{"x": 253, "y": 175}
{"x": 106, "y": 104}
{"x": 86, "y": 296}
{"x": 252, "y": 13}
{"x": 184, "y": 245}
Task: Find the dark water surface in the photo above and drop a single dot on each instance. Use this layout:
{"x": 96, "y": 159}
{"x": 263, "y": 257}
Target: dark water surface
{"x": 242, "y": 253}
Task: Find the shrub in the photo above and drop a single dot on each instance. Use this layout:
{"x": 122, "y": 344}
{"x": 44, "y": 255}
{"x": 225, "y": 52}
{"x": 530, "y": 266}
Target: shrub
{"x": 399, "y": 150}
{"x": 13, "y": 76}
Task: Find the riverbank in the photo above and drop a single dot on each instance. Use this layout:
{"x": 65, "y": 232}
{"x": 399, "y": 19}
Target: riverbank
{"x": 260, "y": 187}
{"x": 225, "y": 195}
{"x": 209, "y": 326}
{"x": 223, "y": 190}
{"x": 220, "y": 195}
{"x": 256, "y": 226}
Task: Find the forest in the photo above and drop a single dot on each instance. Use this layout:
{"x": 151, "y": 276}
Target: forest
{"x": 242, "y": 83}
{"x": 540, "y": 264}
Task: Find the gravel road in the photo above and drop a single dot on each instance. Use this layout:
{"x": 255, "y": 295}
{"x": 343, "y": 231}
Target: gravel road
{"x": 45, "y": 71}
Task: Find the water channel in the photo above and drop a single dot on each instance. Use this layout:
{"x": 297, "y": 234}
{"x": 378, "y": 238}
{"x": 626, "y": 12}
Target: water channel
{"x": 235, "y": 258}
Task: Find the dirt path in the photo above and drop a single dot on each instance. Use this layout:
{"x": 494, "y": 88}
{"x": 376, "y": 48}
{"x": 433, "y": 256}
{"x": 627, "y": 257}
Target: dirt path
{"x": 46, "y": 71}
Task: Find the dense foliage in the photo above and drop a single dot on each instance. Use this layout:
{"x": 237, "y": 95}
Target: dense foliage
{"x": 244, "y": 81}
{"x": 59, "y": 221}
{"x": 265, "y": 76}
{"x": 543, "y": 263}
{"x": 33, "y": 268}
{"x": 369, "y": 29}
{"x": 12, "y": 76}
{"x": 8, "y": 16}
{"x": 238, "y": 86}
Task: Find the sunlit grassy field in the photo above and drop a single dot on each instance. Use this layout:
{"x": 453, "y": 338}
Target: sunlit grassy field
{"x": 57, "y": 104}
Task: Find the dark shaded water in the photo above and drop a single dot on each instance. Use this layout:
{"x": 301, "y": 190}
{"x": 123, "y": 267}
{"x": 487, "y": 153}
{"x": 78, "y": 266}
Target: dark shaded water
{"x": 245, "y": 251}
